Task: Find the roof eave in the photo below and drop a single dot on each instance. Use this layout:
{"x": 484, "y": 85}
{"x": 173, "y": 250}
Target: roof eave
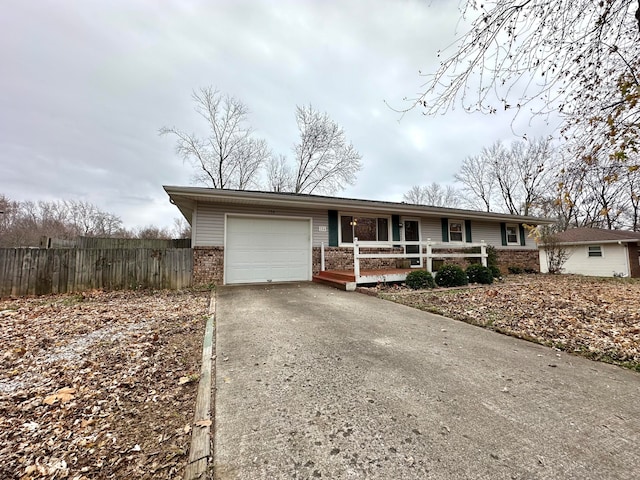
{"x": 595, "y": 242}
{"x": 266, "y": 198}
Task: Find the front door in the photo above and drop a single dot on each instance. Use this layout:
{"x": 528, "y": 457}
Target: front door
{"x": 412, "y": 234}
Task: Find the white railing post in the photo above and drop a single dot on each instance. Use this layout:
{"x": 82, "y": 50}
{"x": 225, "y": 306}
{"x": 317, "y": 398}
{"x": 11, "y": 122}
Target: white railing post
{"x": 322, "y": 257}
{"x": 483, "y": 253}
{"x": 356, "y": 258}
{"x": 429, "y": 257}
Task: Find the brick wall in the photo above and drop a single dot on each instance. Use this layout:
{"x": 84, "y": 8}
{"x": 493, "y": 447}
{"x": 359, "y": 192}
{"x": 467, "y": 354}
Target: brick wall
{"x": 379, "y": 263}
{"x": 341, "y": 258}
{"x": 518, "y": 258}
{"x": 208, "y": 265}
{"x": 506, "y": 258}
{"x": 335, "y": 258}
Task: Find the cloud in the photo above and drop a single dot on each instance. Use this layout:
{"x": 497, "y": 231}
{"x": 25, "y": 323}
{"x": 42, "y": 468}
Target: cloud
{"x": 87, "y": 85}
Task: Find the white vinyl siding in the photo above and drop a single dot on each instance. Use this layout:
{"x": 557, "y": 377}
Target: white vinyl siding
{"x": 490, "y": 233}
{"x": 431, "y": 228}
{"x": 209, "y": 229}
{"x": 480, "y": 230}
{"x": 614, "y": 259}
{"x": 209, "y": 225}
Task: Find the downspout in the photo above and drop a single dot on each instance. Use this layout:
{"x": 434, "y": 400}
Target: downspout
{"x": 626, "y": 258}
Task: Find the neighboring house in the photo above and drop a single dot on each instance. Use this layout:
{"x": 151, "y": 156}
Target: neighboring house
{"x": 598, "y": 252}
{"x": 253, "y": 237}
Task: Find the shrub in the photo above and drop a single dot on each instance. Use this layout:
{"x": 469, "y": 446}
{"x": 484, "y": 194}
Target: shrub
{"x": 479, "y": 274}
{"x": 516, "y": 270}
{"x": 495, "y": 271}
{"x": 420, "y": 279}
{"x": 530, "y": 270}
{"x": 451, "y": 276}
{"x": 492, "y": 257}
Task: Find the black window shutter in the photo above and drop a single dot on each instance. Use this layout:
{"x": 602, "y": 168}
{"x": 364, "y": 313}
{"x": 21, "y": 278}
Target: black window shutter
{"x": 523, "y": 239}
{"x": 467, "y": 231}
{"x": 333, "y": 228}
{"x": 503, "y": 233}
{"x": 445, "y": 229}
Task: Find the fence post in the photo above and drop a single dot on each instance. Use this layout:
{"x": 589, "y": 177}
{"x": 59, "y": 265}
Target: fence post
{"x": 322, "y": 257}
{"x": 356, "y": 258}
{"x": 429, "y": 257}
{"x": 483, "y": 253}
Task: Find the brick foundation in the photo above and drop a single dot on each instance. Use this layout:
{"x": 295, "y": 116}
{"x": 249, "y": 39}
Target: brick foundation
{"x": 208, "y": 265}
{"x": 525, "y": 259}
{"x": 341, "y": 258}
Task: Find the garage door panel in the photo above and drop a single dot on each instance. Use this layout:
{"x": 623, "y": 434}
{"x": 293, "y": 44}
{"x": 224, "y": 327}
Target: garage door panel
{"x": 267, "y": 250}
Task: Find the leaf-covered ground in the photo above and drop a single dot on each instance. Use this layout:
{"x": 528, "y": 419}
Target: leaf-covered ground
{"x": 595, "y": 317}
{"x": 99, "y": 385}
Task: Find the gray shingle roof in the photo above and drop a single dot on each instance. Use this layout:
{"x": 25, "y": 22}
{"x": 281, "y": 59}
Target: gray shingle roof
{"x": 576, "y": 235}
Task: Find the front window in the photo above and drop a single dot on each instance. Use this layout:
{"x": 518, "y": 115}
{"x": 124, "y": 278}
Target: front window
{"x": 455, "y": 231}
{"x": 595, "y": 251}
{"x": 512, "y": 234}
{"x": 364, "y": 228}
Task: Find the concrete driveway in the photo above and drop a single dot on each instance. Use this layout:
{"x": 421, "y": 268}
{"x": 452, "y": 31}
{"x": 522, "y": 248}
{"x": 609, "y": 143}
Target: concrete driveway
{"x": 314, "y": 383}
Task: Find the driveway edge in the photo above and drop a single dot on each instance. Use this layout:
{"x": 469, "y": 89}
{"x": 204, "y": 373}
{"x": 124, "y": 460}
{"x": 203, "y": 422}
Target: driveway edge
{"x": 200, "y": 451}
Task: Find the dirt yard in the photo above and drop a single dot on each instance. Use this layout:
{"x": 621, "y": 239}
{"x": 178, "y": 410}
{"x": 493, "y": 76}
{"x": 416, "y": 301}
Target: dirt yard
{"x": 594, "y": 317}
{"x": 99, "y": 385}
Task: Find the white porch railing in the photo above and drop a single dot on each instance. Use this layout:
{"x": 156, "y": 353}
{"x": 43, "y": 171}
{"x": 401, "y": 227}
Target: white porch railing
{"x": 429, "y": 255}
{"x": 422, "y": 255}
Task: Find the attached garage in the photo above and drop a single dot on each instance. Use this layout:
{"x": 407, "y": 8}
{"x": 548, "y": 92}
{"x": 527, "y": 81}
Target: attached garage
{"x": 267, "y": 249}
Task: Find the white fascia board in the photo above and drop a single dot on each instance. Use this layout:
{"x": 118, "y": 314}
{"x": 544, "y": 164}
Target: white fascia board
{"x": 594, "y": 242}
{"x": 308, "y": 201}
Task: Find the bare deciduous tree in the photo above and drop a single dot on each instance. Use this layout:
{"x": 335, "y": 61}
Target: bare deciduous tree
{"x": 577, "y": 57}
{"x": 87, "y": 219}
{"x": 181, "y": 229}
{"x": 556, "y": 254}
{"x": 279, "y": 175}
{"x": 24, "y": 223}
{"x": 478, "y": 181}
{"x": 522, "y": 175}
{"x": 229, "y": 156}
{"x": 434, "y": 194}
{"x": 325, "y": 162}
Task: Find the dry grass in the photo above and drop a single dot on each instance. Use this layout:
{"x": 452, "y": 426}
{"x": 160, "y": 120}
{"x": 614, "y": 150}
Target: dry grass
{"x": 595, "y": 317}
{"x": 99, "y": 385}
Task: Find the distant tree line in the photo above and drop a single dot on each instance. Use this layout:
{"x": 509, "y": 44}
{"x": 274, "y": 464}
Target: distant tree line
{"x": 531, "y": 177}
{"x": 24, "y": 223}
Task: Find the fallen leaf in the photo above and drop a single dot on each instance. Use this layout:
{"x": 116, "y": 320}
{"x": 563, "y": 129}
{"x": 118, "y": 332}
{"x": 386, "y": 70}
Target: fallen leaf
{"x": 203, "y": 423}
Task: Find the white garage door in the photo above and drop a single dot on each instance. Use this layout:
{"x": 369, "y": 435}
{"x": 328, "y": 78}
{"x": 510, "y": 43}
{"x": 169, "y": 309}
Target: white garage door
{"x": 267, "y": 250}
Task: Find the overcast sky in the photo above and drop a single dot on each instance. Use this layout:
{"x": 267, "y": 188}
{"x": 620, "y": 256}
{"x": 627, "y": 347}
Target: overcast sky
{"x": 85, "y": 86}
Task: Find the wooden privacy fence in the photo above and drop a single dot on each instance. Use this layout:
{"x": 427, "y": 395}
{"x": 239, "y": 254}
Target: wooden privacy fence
{"x": 32, "y": 271}
{"x": 100, "y": 242}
